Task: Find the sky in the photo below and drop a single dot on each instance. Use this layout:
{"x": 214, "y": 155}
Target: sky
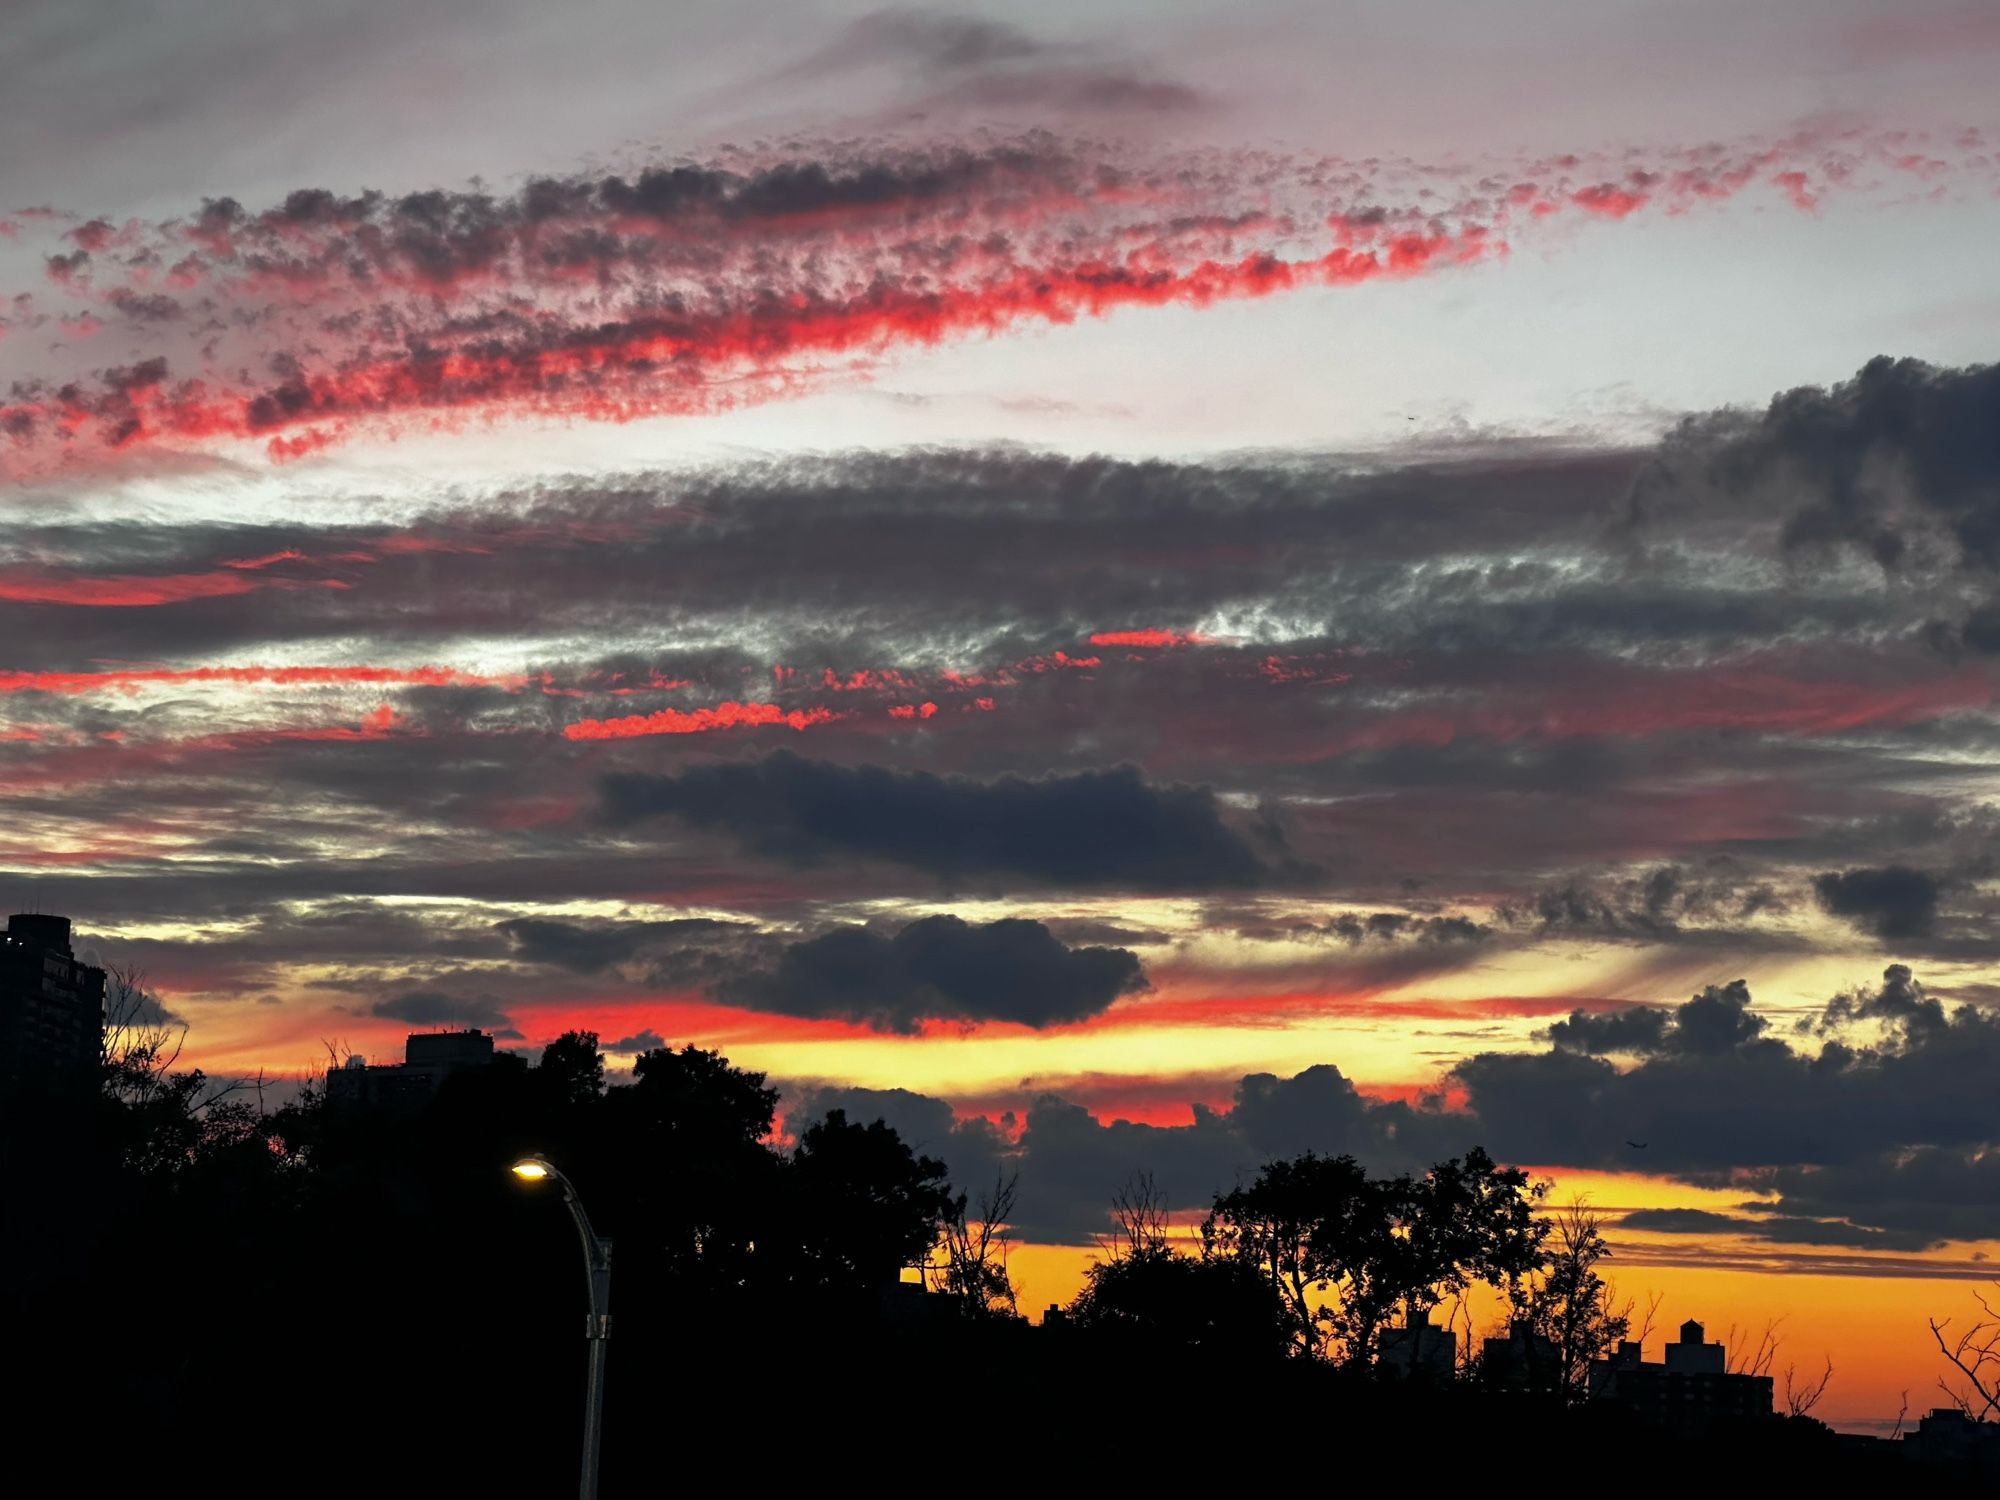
{"x": 1126, "y": 587}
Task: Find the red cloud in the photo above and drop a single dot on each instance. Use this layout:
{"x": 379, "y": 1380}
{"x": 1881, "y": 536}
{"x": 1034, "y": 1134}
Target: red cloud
{"x": 1648, "y": 703}
{"x": 131, "y": 679}
{"x": 23, "y": 586}
{"x": 1608, "y": 201}
{"x": 698, "y": 288}
{"x": 697, "y": 721}
{"x": 269, "y": 559}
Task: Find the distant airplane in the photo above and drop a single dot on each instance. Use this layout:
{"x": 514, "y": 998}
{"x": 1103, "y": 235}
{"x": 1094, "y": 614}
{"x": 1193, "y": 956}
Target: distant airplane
{"x": 1637, "y": 1145}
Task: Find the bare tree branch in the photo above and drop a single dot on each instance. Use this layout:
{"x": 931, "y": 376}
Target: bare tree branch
{"x": 1139, "y": 1209}
{"x": 976, "y": 1250}
{"x": 1753, "y": 1357}
{"x": 1801, "y": 1394}
{"x": 1641, "y": 1326}
{"x": 1975, "y": 1354}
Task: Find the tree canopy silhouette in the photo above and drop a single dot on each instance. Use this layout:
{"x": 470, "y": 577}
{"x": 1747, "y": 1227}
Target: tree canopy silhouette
{"x": 1342, "y": 1250}
{"x": 424, "y": 1281}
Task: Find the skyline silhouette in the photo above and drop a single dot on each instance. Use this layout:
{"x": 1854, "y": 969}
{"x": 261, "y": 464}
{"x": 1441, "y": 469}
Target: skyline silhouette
{"x": 722, "y": 1230}
{"x": 1307, "y": 1258}
{"x": 1134, "y": 593}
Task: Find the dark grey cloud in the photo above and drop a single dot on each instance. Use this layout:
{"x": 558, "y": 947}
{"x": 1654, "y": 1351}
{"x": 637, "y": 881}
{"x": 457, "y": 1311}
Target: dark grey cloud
{"x": 1923, "y": 1194}
{"x": 1681, "y": 1221}
{"x": 967, "y": 63}
{"x": 1659, "y": 903}
{"x": 1899, "y": 1001}
{"x": 587, "y": 948}
{"x": 1891, "y": 1147}
{"x": 639, "y": 1041}
{"x": 431, "y": 1008}
{"x": 1980, "y": 632}
{"x": 1365, "y": 950}
{"x": 1893, "y": 902}
{"x": 931, "y": 40}
{"x": 1094, "y": 829}
{"x": 1779, "y": 1229}
{"x": 1642, "y": 1029}
{"x": 1716, "y": 1021}
{"x": 1715, "y": 1092}
{"x": 1900, "y": 463}
{"x": 1470, "y": 645}
{"x": 1900, "y": 432}
{"x": 971, "y": 1147}
{"x": 1016, "y": 534}
{"x": 941, "y": 968}
{"x": 1358, "y": 930}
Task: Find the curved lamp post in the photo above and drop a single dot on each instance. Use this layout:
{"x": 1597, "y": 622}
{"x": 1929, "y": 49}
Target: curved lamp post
{"x": 597, "y": 1263}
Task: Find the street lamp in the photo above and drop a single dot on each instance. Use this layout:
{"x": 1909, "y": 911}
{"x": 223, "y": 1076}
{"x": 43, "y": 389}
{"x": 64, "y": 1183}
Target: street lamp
{"x": 597, "y": 1265}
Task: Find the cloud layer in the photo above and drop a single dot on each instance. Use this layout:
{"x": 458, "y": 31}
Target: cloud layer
{"x": 696, "y": 285}
{"x": 852, "y": 751}
{"x": 1888, "y": 1146}
{"x": 1095, "y": 828}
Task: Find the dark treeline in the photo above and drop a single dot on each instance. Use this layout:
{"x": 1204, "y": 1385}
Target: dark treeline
{"x": 294, "y": 1296}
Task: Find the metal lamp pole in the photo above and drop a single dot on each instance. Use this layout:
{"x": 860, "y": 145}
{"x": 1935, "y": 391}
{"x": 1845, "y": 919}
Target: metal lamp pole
{"x": 597, "y": 1266}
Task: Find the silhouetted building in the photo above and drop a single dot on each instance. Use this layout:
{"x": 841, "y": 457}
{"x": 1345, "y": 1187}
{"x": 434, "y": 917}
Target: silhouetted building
{"x": 1690, "y": 1389}
{"x": 1419, "y": 1349}
{"x": 51, "y": 1008}
{"x": 1947, "y": 1438}
{"x": 429, "y": 1057}
{"x": 1523, "y": 1360}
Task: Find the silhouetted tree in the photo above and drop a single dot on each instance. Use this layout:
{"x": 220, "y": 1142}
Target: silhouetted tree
{"x": 862, "y": 1207}
{"x": 1139, "y": 1214}
{"x": 1143, "y": 1291}
{"x": 1472, "y": 1220}
{"x": 1569, "y": 1302}
{"x": 1157, "y": 1297}
{"x": 139, "y": 1043}
{"x": 1344, "y": 1250}
{"x": 1974, "y": 1354}
{"x": 1803, "y": 1393}
{"x": 572, "y": 1069}
{"x": 693, "y": 1177}
{"x": 974, "y": 1269}
{"x": 697, "y": 1100}
{"x": 1284, "y": 1225}
{"x": 154, "y": 1118}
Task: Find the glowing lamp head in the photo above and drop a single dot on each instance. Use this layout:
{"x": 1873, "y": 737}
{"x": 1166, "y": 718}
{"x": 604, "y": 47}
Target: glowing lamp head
{"x": 531, "y": 1169}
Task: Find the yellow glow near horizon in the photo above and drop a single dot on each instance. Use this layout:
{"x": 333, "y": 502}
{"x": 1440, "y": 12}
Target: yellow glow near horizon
{"x": 1870, "y": 1320}
{"x": 1225, "y": 1006}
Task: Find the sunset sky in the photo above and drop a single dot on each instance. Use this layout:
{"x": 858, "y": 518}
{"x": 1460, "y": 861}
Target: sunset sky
{"x": 1125, "y": 586}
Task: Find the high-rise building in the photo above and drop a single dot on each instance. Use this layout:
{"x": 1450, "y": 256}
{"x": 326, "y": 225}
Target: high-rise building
{"x": 51, "y": 1009}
